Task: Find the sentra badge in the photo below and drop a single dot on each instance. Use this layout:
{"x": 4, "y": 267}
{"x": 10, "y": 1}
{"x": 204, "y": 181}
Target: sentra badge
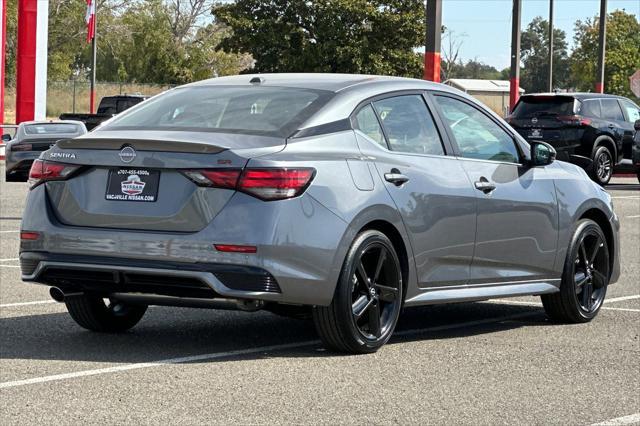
{"x": 68, "y": 155}
{"x": 132, "y": 186}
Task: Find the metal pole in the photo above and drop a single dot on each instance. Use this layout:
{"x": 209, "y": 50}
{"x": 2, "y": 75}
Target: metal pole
{"x": 602, "y": 41}
{"x": 74, "y": 95}
{"x": 92, "y": 94}
{"x": 432, "y": 42}
{"x": 550, "y": 45}
{"x": 514, "y": 81}
{"x": 3, "y": 46}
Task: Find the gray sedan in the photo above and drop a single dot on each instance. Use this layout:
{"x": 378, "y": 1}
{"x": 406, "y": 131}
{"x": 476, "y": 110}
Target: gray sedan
{"x": 30, "y": 139}
{"x": 340, "y": 198}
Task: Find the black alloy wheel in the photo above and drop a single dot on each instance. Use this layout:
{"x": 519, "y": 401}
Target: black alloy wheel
{"x": 368, "y": 298}
{"x": 602, "y": 165}
{"x": 585, "y": 277}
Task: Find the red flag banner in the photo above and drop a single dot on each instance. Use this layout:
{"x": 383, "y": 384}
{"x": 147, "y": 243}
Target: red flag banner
{"x": 90, "y": 19}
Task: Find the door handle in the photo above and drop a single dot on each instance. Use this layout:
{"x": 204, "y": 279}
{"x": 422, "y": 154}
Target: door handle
{"x": 484, "y": 185}
{"x": 395, "y": 177}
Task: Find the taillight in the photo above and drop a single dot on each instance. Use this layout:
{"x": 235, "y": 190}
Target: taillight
{"x": 275, "y": 184}
{"x": 216, "y": 178}
{"x": 22, "y": 147}
{"x": 42, "y": 171}
{"x": 574, "y": 120}
{"x": 264, "y": 183}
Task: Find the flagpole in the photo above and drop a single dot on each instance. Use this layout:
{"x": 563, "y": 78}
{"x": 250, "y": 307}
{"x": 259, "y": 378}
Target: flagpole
{"x": 92, "y": 94}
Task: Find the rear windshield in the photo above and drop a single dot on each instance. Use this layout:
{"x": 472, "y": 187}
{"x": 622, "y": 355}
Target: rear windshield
{"x": 536, "y": 106}
{"x": 50, "y": 129}
{"x": 273, "y": 111}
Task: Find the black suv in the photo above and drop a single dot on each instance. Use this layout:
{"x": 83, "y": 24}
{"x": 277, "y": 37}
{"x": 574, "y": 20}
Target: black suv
{"x": 592, "y": 130}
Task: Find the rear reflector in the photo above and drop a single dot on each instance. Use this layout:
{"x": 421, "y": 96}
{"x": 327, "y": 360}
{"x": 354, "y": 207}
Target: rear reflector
{"x": 232, "y": 248}
{"x": 42, "y": 171}
{"x": 574, "y": 120}
{"x": 264, "y": 183}
{"x": 28, "y": 235}
{"x": 22, "y": 147}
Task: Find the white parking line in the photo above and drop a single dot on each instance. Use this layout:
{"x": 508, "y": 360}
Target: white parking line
{"x": 626, "y": 420}
{"x": 7, "y": 232}
{"x": 622, "y": 298}
{"x": 218, "y": 355}
{"x": 633, "y": 217}
{"x": 8, "y": 260}
{"x": 627, "y": 197}
{"x": 9, "y": 266}
{"x": 37, "y": 302}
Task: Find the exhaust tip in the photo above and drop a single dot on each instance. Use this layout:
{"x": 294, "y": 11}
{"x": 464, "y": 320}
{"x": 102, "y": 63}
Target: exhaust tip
{"x": 56, "y": 294}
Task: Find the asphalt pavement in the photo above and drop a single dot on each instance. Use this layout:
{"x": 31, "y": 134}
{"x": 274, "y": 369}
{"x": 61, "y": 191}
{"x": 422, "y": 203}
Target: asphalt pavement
{"x": 497, "y": 362}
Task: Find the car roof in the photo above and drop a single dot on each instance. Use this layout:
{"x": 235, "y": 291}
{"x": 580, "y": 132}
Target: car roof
{"x": 316, "y": 81}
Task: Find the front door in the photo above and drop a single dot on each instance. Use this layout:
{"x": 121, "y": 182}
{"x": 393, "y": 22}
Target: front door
{"x": 517, "y": 222}
{"x": 430, "y": 189}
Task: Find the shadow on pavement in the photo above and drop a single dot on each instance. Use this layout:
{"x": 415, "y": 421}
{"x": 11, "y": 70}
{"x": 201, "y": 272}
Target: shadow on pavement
{"x": 170, "y": 332}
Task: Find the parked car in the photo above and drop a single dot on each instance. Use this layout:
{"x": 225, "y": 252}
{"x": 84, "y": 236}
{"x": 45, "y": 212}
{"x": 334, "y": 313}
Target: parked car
{"x": 109, "y": 107}
{"x": 30, "y": 139}
{"x": 635, "y": 154}
{"x": 344, "y": 197}
{"x": 592, "y": 130}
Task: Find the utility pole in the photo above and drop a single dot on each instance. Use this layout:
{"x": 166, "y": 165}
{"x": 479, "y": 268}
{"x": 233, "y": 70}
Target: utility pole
{"x": 514, "y": 80}
{"x": 550, "y": 45}
{"x": 94, "y": 48}
{"x": 432, "y": 42}
{"x": 602, "y": 40}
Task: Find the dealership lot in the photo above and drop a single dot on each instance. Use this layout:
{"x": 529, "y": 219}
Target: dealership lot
{"x": 476, "y": 363}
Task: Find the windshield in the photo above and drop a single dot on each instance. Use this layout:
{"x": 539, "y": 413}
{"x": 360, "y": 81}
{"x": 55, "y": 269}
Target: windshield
{"x": 50, "y": 129}
{"x": 235, "y": 109}
{"x": 539, "y": 106}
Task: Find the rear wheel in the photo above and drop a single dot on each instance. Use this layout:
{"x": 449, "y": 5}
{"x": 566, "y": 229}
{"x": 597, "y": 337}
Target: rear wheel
{"x": 584, "y": 279}
{"x": 366, "y": 305}
{"x": 602, "y": 167}
{"x": 105, "y": 315}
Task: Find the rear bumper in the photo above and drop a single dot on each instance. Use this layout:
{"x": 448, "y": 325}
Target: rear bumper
{"x": 299, "y": 242}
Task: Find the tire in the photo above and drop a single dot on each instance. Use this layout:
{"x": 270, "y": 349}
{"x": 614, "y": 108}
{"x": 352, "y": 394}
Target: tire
{"x": 602, "y": 167}
{"x": 91, "y": 312}
{"x": 638, "y": 175}
{"x": 363, "y": 313}
{"x": 584, "y": 282}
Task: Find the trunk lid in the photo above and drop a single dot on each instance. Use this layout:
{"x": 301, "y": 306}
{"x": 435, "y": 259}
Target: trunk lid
{"x": 136, "y": 182}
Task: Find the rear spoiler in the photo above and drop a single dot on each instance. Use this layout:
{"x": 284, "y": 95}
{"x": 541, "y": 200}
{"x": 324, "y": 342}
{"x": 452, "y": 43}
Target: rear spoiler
{"x": 140, "y": 145}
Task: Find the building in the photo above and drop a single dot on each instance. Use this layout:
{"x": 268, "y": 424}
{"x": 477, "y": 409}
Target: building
{"x": 492, "y": 93}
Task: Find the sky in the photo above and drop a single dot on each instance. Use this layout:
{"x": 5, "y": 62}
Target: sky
{"x": 486, "y": 24}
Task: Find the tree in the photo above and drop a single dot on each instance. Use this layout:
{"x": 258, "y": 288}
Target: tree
{"x": 349, "y": 36}
{"x": 622, "y": 57}
{"x": 534, "y": 76}
{"x": 452, "y": 43}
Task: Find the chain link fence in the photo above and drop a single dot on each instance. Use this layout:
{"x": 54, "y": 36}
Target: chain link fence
{"x": 73, "y": 95}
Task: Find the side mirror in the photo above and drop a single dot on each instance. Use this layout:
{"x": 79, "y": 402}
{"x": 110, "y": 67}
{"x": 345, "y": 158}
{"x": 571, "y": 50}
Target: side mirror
{"x": 6, "y": 137}
{"x": 542, "y": 154}
{"x": 636, "y": 125}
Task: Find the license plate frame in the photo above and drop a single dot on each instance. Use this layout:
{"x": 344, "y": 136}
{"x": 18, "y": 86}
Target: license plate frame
{"x": 133, "y": 184}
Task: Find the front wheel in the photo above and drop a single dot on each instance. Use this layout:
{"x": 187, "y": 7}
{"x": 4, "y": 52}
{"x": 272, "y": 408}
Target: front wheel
{"x": 368, "y": 298}
{"x": 106, "y": 315}
{"x": 584, "y": 279}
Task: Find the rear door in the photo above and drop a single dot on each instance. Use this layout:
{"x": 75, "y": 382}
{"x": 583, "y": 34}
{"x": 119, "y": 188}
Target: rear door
{"x": 517, "y": 223}
{"x": 430, "y": 188}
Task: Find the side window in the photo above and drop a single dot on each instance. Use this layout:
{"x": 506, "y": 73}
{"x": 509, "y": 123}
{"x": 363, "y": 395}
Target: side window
{"x": 611, "y": 110}
{"x": 633, "y": 112}
{"x": 409, "y": 125}
{"x": 476, "y": 135}
{"x": 367, "y": 123}
{"x": 590, "y": 108}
